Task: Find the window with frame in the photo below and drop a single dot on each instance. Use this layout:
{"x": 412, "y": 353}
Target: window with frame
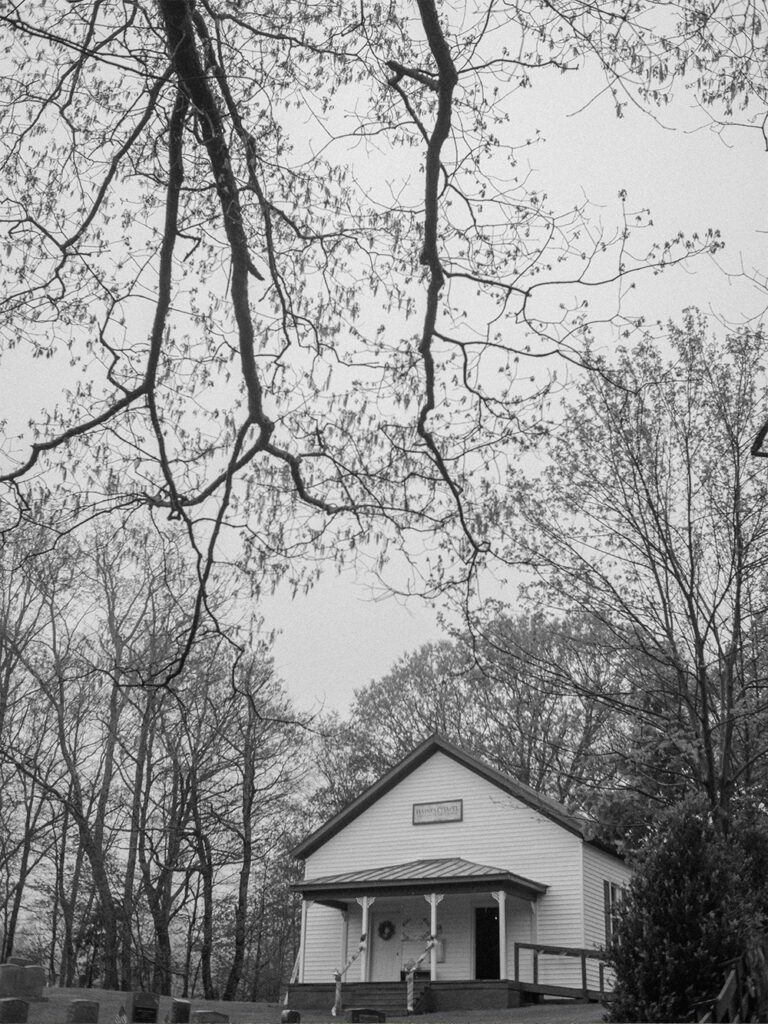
{"x": 612, "y": 897}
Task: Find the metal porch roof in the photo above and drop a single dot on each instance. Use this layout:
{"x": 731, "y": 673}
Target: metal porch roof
{"x": 419, "y": 876}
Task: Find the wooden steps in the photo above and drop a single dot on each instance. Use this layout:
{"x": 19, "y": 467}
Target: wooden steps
{"x": 387, "y": 996}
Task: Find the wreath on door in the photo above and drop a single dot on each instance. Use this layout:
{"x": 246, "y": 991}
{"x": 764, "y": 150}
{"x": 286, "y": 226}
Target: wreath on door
{"x": 386, "y": 930}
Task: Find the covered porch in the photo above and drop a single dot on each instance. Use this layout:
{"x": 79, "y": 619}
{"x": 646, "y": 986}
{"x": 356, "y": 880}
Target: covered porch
{"x": 441, "y": 921}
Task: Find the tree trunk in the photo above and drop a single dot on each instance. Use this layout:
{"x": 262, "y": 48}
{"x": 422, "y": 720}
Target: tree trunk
{"x": 241, "y": 906}
{"x": 126, "y": 962}
{"x": 190, "y": 940}
{"x": 68, "y": 904}
{"x": 205, "y": 867}
{"x": 30, "y": 820}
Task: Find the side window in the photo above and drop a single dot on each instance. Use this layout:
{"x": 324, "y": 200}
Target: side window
{"x": 612, "y": 894}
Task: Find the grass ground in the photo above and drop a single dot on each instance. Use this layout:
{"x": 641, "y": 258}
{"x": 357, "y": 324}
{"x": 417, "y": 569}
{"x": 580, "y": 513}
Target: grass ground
{"x": 54, "y": 1011}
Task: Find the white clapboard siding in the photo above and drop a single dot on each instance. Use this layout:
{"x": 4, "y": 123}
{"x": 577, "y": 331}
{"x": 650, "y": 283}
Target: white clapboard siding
{"x": 599, "y": 867}
{"x": 454, "y": 933}
{"x": 322, "y": 954}
{"x": 497, "y": 829}
{"x": 520, "y": 928}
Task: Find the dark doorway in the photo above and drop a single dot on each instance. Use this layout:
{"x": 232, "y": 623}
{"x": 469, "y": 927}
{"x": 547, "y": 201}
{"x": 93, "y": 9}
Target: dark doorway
{"x": 486, "y": 942}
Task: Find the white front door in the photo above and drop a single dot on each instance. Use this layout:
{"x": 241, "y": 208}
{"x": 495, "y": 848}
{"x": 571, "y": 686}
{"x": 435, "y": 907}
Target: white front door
{"x": 384, "y": 946}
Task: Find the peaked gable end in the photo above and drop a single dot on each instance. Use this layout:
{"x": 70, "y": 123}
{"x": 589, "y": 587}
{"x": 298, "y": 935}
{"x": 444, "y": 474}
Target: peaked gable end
{"x": 435, "y": 744}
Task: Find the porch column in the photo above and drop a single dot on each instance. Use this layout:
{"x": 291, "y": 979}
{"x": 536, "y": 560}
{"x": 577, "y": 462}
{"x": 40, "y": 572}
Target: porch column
{"x": 305, "y": 905}
{"x": 366, "y": 902}
{"x": 433, "y": 899}
{"x": 501, "y": 899}
{"x": 344, "y": 936}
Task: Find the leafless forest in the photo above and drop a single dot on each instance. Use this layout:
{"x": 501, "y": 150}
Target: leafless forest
{"x": 293, "y": 301}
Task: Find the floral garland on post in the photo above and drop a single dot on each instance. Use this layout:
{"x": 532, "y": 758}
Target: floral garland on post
{"x": 411, "y": 968}
{"x": 338, "y": 975}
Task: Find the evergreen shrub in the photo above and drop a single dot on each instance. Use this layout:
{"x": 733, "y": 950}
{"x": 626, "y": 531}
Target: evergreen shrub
{"x": 696, "y": 902}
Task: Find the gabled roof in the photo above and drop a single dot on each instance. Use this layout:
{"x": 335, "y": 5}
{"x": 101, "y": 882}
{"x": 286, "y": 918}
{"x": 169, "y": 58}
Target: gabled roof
{"x": 437, "y": 744}
{"x": 453, "y": 874}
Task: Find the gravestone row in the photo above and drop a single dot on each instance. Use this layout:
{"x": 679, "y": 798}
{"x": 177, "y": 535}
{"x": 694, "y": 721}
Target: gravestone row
{"x": 22, "y": 980}
{"x": 144, "y": 1010}
{"x": 18, "y": 988}
{"x": 145, "y": 1005}
{"x": 86, "y": 1011}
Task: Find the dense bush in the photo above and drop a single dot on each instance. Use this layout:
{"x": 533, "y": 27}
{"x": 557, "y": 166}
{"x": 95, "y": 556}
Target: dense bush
{"x": 698, "y": 900}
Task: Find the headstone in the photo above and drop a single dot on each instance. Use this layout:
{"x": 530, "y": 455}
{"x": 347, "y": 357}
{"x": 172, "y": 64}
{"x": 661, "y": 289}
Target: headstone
{"x": 10, "y": 980}
{"x": 145, "y": 1006}
{"x": 209, "y": 1017}
{"x": 32, "y": 981}
{"x": 290, "y": 1017}
{"x": 20, "y": 961}
{"x": 180, "y": 1011}
{"x": 13, "y": 1011}
{"x": 83, "y": 1011}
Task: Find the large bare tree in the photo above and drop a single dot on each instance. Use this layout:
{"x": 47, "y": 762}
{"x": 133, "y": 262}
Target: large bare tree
{"x": 293, "y": 258}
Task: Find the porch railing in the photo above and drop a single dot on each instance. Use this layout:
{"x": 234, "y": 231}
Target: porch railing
{"x": 410, "y": 971}
{"x": 339, "y": 975}
{"x": 541, "y": 949}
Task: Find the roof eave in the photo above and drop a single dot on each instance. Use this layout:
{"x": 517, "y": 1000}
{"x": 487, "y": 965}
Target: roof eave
{"x": 418, "y": 886}
{"x": 606, "y": 847}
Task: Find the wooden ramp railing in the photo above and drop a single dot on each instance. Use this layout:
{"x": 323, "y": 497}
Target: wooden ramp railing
{"x": 736, "y": 1001}
{"x": 570, "y": 991}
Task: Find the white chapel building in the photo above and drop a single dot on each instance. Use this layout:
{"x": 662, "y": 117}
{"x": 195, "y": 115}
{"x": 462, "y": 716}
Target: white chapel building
{"x": 485, "y": 890}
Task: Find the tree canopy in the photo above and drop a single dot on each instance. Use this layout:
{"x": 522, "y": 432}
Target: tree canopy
{"x": 525, "y": 697}
{"x": 142, "y": 826}
{"x": 268, "y": 336}
{"x": 651, "y": 519}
